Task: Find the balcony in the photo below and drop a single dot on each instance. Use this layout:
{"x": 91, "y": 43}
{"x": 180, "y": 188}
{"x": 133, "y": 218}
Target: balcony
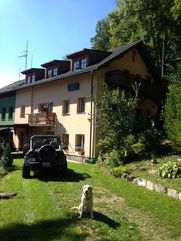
{"x": 42, "y": 119}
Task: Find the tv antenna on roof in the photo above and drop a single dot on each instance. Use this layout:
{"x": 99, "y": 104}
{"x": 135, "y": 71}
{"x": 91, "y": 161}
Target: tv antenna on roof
{"x": 25, "y": 55}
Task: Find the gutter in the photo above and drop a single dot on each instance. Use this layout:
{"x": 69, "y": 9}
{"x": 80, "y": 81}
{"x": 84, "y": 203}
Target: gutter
{"x": 91, "y": 114}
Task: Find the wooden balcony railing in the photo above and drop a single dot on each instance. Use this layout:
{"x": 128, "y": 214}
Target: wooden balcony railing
{"x": 42, "y": 119}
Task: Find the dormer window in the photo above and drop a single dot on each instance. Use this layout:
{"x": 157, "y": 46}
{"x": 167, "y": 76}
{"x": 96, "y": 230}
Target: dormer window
{"x": 86, "y": 57}
{"x": 80, "y": 64}
{"x": 76, "y": 65}
{"x": 55, "y": 71}
{"x": 33, "y": 75}
{"x": 49, "y": 73}
{"x": 83, "y": 62}
{"x": 56, "y": 67}
{"x": 52, "y": 72}
{"x": 33, "y": 78}
{"x": 28, "y": 79}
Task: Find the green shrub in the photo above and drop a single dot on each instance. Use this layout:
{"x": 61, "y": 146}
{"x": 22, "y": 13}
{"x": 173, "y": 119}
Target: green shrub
{"x": 151, "y": 138}
{"x": 170, "y": 170}
{"x": 112, "y": 159}
{"x": 6, "y": 159}
{"x": 138, "y": 148}
{"x": 7, "y": 156}
{"x": 118, "y": 171}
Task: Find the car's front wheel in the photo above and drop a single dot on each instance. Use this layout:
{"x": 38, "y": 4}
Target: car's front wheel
{"x": 26, "y": 171}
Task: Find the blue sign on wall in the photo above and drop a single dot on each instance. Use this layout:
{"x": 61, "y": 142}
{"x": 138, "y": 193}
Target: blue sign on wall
{"x": 73, "y": 86}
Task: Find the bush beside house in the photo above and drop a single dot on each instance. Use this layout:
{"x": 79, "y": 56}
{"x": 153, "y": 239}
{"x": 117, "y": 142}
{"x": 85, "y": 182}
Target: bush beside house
{"x": 6, "y": 159}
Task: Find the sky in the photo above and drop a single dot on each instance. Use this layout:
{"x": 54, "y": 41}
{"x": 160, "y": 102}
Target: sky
{"x": 53, "y": 29}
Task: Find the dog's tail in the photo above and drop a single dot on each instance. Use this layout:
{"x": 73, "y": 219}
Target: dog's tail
{"x": 75, "y": 208}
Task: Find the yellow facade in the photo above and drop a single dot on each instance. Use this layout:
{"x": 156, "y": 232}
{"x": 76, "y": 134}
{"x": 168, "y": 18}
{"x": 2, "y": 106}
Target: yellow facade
{"x": 74, "y": 123}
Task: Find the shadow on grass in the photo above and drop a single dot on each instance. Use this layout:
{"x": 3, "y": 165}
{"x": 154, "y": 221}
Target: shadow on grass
{"x": 14, "y": 168}
{"x": 105, "y": 219}
{"x": 69, "y": 176}
{"x": 42, "y": 231}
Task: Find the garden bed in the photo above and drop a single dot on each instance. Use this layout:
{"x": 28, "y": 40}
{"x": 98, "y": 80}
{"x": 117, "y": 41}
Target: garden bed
{"x": 147, "y": 170}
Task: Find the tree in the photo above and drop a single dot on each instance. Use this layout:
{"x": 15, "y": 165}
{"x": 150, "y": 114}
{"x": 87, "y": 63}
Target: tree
{"x": 101, "y": 40}
{"x": 124, "y": 24}
{"x": 157, "y": 22}
{"x": 172, "y": 113}
{"x": 115, "y": 119}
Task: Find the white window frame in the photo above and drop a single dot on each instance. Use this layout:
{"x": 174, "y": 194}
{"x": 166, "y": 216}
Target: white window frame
{"x": 29, "y": 79}
{"x": 83, "y": 63}
{"x": 55, "y": 71}
{"x": 49, "y": 73}
{"x": 33, "y": 78}
{"x": 76, "y": 65}
{"x": 79, "y": 142}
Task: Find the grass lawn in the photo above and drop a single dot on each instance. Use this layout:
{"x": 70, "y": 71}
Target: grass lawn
{"x": 42, "y": 209}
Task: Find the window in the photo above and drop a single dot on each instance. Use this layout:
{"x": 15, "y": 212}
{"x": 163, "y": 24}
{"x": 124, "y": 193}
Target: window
{"x": 83, "y": 63}
{"x": 73, "y": 86}
{"x": 49, "y": 73}
{"x": 79, "y": 142}
{"x": 22, "y": 112}
{"x": 10, "y": 116}
{"x": 52, "y": 72}
{"x": 3, "y": 113}
{"x": 65, "y": 140}
{"x": 45, "y": 107}
{"x": 81, "y": 105}
{"x": 28, "y": 79}
{"x": 76, "y": 65}
{"x": 55, "y": 71}
{"x": 80, "y": 64}
{"x": 33, "y": 78}
{"x": 66, "y": 107}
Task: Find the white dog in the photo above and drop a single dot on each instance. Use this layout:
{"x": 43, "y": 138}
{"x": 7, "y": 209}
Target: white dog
{"x": 86, "y": 204}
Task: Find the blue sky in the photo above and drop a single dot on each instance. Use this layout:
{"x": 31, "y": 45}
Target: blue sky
{"x": 53, "y": 28}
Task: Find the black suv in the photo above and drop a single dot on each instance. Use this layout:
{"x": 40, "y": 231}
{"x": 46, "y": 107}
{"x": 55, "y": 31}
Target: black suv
{"x": 44, "y": 152}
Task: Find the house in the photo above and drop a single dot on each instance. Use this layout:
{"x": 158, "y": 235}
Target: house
{"x": 59, "y": 98}
{"x": 7, "y": 110}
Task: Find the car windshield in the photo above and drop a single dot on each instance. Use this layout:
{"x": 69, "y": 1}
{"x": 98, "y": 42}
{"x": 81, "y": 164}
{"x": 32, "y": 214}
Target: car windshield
{"x": 38, "y": 141}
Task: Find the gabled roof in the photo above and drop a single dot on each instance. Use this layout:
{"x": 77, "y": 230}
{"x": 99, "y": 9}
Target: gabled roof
{"x": 139, "y": 45}
{"x": 32, "y": 70}
{"x": 55, "y": 62}
{"x": 86, "y": 51}
{"x": 119, "y": 51}
{"x": 12, "y": 87}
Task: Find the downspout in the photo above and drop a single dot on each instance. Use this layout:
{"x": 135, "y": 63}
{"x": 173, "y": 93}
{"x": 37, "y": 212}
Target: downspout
{"x": 32, "y": 97}
{"x": 91, "y": 115}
